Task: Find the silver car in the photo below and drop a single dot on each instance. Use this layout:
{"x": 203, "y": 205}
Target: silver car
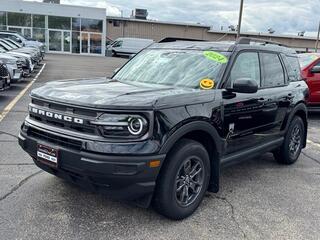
{"x": 15, "y": 74}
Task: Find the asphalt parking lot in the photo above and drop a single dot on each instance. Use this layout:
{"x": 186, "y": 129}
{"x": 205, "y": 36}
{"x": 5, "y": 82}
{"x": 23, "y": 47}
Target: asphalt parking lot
{"x": 259, "y": 199}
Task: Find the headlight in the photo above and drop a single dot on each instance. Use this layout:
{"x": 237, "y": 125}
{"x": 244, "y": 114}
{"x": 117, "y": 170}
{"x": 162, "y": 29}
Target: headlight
{"x": 122, "y": 125}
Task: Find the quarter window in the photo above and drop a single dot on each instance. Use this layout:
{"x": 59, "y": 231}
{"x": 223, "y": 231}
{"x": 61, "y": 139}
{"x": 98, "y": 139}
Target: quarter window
{"x": 272, "y": 70}
{"x": 246, "y": 66}
{"x": 292, "y": 66}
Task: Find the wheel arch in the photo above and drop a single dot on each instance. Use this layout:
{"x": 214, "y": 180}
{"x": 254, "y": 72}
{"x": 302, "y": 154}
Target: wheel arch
{"x": 300, "y": 110}
{"x": 208, "y": 136}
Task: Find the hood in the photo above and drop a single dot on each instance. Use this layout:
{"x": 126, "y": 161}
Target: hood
{"x": 31, "y": 43}
{"x": 107, "y": 93}
{"x": 18, "y": 54}
{"x": 7, "y": 57}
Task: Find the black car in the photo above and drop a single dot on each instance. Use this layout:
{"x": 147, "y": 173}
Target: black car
{"x": 160, "y": 130}
{"x": 4, "y": 77}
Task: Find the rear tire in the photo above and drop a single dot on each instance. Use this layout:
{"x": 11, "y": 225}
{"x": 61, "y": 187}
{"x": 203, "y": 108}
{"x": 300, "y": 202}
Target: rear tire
{"x": 291, "y": 148}
{"x": 183, "y": 180}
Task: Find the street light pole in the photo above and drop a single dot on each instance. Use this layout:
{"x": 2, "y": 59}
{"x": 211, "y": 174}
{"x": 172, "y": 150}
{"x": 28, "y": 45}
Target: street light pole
{"x": 317, "y": 42}
{"x": 240, "y": 19}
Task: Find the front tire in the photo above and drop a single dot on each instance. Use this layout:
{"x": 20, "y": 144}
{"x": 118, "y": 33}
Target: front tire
{"x": 183, "y": 180}
{"x": 291, "y": 148}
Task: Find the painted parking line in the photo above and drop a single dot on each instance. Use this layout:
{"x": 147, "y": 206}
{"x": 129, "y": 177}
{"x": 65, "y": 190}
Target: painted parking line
{"x": 313, "y": 143}
{"x": 9, "y": 107}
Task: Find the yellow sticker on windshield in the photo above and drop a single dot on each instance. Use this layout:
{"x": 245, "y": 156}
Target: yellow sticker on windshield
{"x": 215, "y": 56}
{"x": 206, "y": 84}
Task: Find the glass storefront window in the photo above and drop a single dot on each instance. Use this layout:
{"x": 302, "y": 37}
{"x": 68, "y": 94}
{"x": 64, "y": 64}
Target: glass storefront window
{"x": 55, "y": 40}
{"x": 95, "y": 43}
{"x": 76, "y": 24}
{"x": 91, "y": 25}
{"x": 75, "y": 42}
{"x": 38, "y": 21}
{"x": 66, "y": 41}
{"x": 3, "y": 19}
{"x": 19, "y": 19}
{"x": 59, "y": 22}
{"x": 39, "y": 34}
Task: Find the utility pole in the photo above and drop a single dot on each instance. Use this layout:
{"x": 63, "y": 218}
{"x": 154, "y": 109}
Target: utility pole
{"x": 240, "y": 19}
{"x": 317, "y": 42}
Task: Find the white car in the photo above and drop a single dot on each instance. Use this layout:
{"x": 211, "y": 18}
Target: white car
{"x": 128, "y": 46}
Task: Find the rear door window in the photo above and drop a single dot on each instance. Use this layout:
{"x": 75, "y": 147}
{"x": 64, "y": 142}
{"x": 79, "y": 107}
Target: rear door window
{"x": 272, "y": 70}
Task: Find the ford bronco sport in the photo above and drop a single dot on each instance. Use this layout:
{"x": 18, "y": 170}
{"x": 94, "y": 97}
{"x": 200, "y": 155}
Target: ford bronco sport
{"x": 160, "y": 130}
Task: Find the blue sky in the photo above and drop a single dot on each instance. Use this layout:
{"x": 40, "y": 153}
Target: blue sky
{"x": 284, "y": 16}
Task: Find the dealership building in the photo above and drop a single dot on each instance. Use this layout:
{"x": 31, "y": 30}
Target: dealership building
{"x": 63, "y": 28}
{"x": 73, "y": 29}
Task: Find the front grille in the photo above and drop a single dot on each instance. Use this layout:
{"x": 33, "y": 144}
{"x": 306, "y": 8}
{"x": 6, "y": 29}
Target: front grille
{"x": 63, "y": 108}
{"x": 86, "y": 115}
{"x": 48, "y": 137}
{"x": 3, "y": 71}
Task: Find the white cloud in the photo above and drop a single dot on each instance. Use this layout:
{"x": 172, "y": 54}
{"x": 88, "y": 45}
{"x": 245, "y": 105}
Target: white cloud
{"x": 285, "y": 16}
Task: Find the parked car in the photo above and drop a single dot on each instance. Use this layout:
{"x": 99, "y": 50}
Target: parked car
{"x": 310, "y": 64}
{"x": 16, "y": 45}
{"x": 23, "y": 61}
{"x": 25, "y": 42}
{"x": 4, "y": 77}
{"x": 160, "y": 130}
{"x": 128, "y": 46}
{"x": 33, "y": 55}
{"x": 15, "y": 74}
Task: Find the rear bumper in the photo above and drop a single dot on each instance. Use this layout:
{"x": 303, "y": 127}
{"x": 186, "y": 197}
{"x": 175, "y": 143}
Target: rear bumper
{"x": 121, "y": 177}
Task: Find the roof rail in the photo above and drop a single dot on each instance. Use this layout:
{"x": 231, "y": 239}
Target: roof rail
{"x": 248, "y": 40}
{"x": 173, "y": 39}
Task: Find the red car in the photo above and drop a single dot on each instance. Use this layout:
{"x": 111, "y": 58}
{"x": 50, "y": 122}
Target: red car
{"x": 310, "y": 67}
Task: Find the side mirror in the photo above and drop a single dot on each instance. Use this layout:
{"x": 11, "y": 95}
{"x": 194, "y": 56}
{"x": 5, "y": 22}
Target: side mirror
{"x": 244, "y": 85}
{"x": 315, "y": 69}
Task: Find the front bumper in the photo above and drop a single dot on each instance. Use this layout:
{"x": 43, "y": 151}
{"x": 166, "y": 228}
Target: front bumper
{"x": 122, "y": 177}
{"x": 17, "y": 74}
{"x": 4, "y": 83}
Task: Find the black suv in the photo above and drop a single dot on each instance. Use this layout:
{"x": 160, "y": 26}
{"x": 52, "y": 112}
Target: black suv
{"x": 160, "y": 130}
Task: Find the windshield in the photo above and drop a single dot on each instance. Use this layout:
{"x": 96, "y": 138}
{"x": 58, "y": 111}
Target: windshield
{"x": 6, "y": 46}
{"x": 306, "y": 59}
{"x": 14, "y": 43}
{"x": 10, "y": 44}
{"x": 186, "y": 68}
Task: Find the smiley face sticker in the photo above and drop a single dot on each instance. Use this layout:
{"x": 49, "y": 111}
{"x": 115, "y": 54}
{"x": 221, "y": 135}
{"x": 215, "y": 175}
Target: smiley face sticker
{"x": 207, "y": 84}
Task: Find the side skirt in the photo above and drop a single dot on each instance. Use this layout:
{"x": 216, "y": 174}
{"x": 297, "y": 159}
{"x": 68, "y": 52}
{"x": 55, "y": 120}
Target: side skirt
{"x": 244, "y": 155}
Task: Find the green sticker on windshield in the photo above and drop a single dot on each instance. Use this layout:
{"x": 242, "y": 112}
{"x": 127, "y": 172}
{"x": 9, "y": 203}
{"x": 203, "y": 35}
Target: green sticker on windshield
{"x": 215, "y": 56}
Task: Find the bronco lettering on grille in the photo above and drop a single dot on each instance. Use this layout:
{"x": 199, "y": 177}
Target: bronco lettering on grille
{"x": 55, "y": 115}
